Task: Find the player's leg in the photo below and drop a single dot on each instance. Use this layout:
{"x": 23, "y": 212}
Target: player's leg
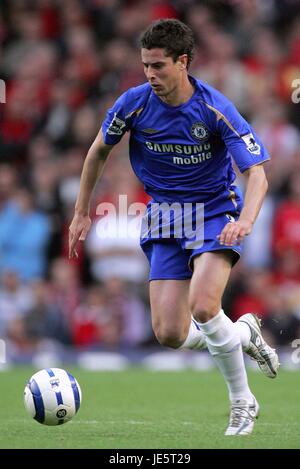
{"x": 171, "y": 319}
{"x": 210, "y": 276}
{"x": 248, "y": 326}
{"x": 169, "y": 287}
{"x": 169, "y": 311}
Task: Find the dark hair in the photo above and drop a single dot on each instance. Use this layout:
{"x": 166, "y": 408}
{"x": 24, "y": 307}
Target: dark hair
{"x": 172, "y": 35}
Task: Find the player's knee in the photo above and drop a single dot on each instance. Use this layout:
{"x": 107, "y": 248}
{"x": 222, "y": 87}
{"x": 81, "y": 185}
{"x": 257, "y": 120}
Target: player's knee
{"x": 203, "y": 310}
{"x": 169, "y": 337}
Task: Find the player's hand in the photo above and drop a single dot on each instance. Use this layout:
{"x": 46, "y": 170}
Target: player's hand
{"x": 77, "y": 232}
{"x": 234, "y": 232}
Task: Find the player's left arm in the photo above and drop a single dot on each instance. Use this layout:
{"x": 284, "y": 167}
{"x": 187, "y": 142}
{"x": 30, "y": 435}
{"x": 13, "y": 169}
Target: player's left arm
{"x": 249, "y": 155}
{"x": 257, "y": 186}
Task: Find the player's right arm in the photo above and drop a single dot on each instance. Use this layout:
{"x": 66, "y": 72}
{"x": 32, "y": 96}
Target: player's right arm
{"x": 117, "y": 122}
{"x": 91, "y": 172}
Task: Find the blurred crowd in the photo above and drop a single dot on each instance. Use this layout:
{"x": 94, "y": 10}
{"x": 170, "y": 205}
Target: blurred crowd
{"x": 64, "y": 63}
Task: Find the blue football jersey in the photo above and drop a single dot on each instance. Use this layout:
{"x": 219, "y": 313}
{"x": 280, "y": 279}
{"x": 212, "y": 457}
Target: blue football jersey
{"x": 183, "y": 153}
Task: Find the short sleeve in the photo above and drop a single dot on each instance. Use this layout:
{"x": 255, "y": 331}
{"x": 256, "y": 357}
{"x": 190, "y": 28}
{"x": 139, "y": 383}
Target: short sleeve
{"x": 240, "y": 139}
{"x": 114, "y": 125}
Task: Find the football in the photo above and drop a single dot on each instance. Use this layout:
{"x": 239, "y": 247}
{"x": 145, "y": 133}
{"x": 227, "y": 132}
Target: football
{"x": 52, "y": 396}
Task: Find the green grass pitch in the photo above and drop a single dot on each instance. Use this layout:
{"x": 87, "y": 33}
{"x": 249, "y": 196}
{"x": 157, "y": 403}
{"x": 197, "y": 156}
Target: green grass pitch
{"x": 143, "y": 409}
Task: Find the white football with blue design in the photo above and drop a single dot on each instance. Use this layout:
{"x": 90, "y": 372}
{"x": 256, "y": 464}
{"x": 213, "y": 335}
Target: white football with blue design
{"x": 52, "y": 396}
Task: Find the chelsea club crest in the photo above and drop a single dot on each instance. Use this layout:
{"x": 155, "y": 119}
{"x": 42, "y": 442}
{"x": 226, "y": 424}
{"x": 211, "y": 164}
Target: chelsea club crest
{"x": 199, "y": 131}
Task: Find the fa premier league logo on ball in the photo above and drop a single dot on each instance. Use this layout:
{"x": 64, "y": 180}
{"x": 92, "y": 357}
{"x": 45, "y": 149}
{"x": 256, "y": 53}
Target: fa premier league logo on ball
{"x": 199, "y": 131}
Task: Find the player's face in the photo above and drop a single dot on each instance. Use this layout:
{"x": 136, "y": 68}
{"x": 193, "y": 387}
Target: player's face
{"x": 163, "y": 74}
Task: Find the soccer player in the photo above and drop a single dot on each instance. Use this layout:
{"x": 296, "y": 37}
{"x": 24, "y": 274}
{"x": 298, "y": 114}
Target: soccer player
{"x": 183, "y": 136}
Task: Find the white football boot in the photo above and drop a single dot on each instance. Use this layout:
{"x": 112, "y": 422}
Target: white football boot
{"x": 258, "y": 349}
{"x": 242, "y": 417}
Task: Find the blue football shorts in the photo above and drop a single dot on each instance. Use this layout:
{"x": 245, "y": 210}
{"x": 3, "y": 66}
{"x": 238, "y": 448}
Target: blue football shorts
{"x": 172, "y": 234}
